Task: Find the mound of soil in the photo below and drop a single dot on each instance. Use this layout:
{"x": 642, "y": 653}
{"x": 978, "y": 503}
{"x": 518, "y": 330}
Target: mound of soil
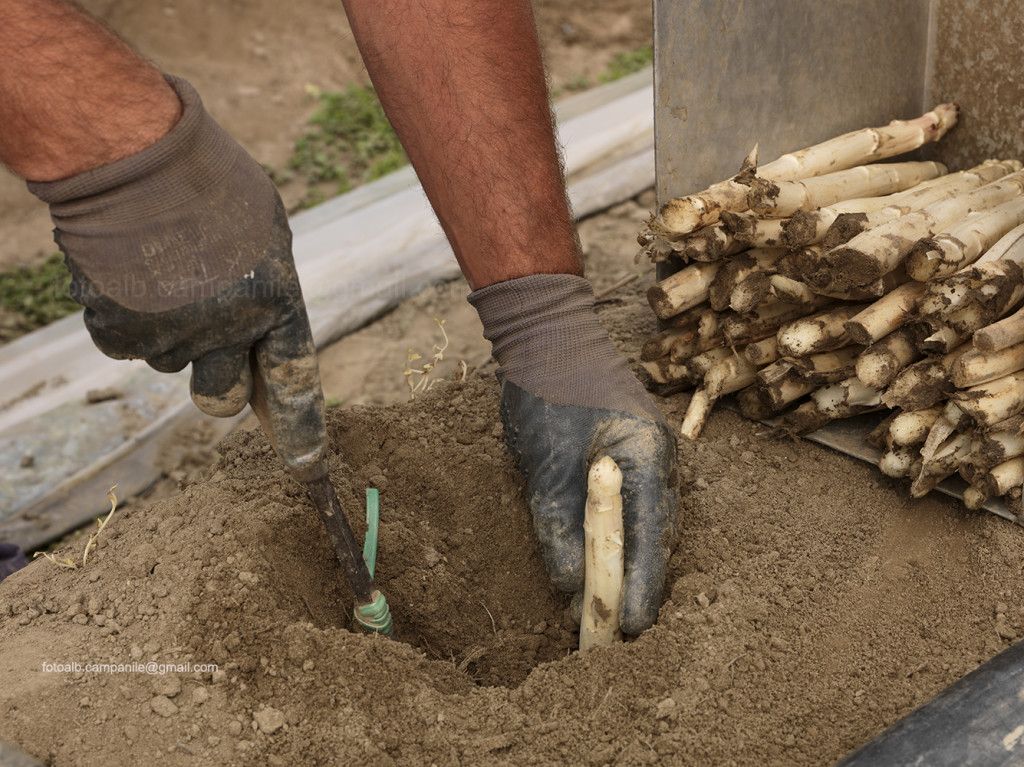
{"x": 808, "y": 606}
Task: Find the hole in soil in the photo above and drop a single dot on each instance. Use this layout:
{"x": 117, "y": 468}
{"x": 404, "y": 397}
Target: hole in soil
{"x": 457, "y": 558}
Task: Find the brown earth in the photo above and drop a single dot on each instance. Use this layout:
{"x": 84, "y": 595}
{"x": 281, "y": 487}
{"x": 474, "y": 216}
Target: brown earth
{"x": 809, "y": 603}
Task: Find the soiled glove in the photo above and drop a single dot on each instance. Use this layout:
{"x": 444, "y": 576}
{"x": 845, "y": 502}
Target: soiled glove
{"x": 182, "y": 253}
{"x": 568, "y": 398}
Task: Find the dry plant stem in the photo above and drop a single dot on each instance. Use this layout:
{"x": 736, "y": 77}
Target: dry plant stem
{"x": 816, "y": 333}
{"x": 975, "y": 367}
{"x": 683, "y": 290}
{"x": 886, "y": 314}
{"x": 855, "y": 148}
{"x": 781, "y": 199}
{"x": 881, "y": 249}
{"x": 940, "y": 430}
{"x": 964, "y": 242}
{"x": 881, "y": 362}
{"x": 991, "y": 402}
{"x": 911, "y": 427}
{"x": 896, "y": 461}
{"x": 923, "y": 383}
{"x": 603, "y": 542}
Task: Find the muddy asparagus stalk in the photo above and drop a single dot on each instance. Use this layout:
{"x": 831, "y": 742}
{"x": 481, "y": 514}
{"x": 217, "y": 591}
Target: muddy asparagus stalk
{"x": 781, "y": 199}
{"x": 856, "y": 148}
{"x": 988, "y": 403}
{"x": 963, "y": 242}
{"x": 990, "y": 449}
{"x": 996, "y": 482}
{"x": 827, "y": 367}
{"x": 881, "y": 362}
{"x": 724, "y": 377}
{"x": 810, "y": 226}
{"x": 886, "y": 314}
{"x": 736, "y": 269}
{"x": 923, "y": 383}
{"x": 683, "y": 290}
{"x": 752, "y": 231}
{"x": 833, "y": 402}
{"x": 881, "y": 249}
{"x": 911, "y": 427}
{"x": 896, "y": 461}
{"x": 849, "y": 224}
{"x": 943, "y": 463}
{"x": 975, "y": 367}
{"x": 765, "y": 320}
{"x": 816, "y": 333}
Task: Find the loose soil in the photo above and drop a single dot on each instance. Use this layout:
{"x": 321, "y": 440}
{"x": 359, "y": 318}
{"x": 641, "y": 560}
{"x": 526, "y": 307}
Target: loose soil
{"x": 809, "y": 603}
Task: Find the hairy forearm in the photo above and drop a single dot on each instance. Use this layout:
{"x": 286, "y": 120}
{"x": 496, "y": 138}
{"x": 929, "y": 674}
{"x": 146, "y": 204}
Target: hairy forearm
{"x": 463, "y": 84}
{"x": 72, "y": 96}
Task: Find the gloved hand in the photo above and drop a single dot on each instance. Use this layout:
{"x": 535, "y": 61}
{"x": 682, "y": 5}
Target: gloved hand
{"x": 567, "y": 398}
{"x": 182, "y": 253}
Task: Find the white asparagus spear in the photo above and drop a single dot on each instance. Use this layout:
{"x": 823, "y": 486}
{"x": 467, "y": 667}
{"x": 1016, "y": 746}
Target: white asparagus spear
{"x": 603, "y": 542}
{"x": 699, "y": 366}
{"x": 881, "y": 362}
{"x": 886, "y": 314}
{"x": 827, "y": 367}
{"x": 764, "y": 320}
{"x": 664, "y": 371}
{"x": 991, "y": 288}
{"x": 710, "y": 243}
{"x": 911, "y": 427}
{"x": 923, "y": 383}
{"x": 990, "y": 449}
{"x": 683, "y": 290}
{"x": 999, "y": 335}
{"x": 725, "y": 377}
{"x": 809, "y": 226}
{"x": 963, "y": 242}
{"x": 781, "y": 199}
{"x": 896, "y": 461}
{"x": 660, "y": 344}
{"x": 975, "y": 367}
{"x": 761, "y": 353}
{"x": 942, "y": 464}
{"x": 881, "y": 249}
{"x": 736, "y": 269}
{"x": 1001, "y": 478}
{"x": 856, "y": 148}
{"x": 991, "y": 402}
{"x": 816, "y": 333}
{"x": 833, "y": 402}
{"x": 848, "y": 225}
{"x": 752, "y": 231}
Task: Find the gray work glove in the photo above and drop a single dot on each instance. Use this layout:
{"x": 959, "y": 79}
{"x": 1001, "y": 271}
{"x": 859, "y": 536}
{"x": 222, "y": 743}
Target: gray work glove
{"x": 568, "y": 398}
{"x": 182, "y": 253}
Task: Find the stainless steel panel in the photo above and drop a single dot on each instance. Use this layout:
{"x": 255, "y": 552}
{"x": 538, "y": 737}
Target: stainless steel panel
{"x": 784, "y": 74}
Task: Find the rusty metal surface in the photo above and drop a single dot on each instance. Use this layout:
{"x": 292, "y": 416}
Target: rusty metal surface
{"x": 732, "y": 73}
{"x": 976, "y": 61}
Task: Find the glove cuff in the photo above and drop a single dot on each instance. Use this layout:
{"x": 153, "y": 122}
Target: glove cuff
{"x": 548, "y": 341}
{"x": 195, "y": 134}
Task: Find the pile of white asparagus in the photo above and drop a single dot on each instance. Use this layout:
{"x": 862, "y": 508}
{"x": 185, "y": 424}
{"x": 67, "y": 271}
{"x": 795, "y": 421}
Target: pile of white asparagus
{"x": 826, "y": 284}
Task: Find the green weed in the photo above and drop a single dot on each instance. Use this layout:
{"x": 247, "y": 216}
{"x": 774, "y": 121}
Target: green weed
{"x": 350, "y": 143}
{"x": 627, "y": 62}
{"x": 33, "y": 296}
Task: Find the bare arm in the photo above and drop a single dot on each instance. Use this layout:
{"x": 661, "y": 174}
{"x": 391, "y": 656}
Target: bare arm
{"x": 463, "y": 84}
{"x": 73, "y": 97}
